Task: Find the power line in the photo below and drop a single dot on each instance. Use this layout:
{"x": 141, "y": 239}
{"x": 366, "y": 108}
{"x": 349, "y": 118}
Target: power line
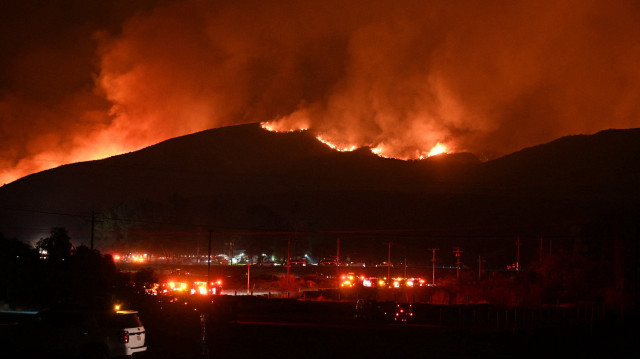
{"x": 434, "y": 232}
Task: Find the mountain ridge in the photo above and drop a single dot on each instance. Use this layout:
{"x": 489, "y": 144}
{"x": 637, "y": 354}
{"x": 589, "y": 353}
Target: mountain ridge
{"x": 247, "y": 178}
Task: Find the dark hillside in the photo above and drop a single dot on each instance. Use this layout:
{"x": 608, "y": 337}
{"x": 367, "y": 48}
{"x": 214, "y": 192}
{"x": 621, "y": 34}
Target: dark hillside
{"x": 604, "y": 164}
{"x": 245, "y": 178}
{"x": 224, "y": 172}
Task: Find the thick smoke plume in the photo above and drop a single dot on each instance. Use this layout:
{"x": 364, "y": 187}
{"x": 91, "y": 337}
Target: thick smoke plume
{"x": 488, "y": 77}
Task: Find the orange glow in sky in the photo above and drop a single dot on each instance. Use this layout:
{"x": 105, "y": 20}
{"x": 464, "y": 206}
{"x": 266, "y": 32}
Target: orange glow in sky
{"x": 398, "y": 77}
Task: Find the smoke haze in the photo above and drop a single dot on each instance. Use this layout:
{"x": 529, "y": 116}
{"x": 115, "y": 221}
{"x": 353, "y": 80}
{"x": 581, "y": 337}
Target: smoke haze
{"x": 92, "y": 79}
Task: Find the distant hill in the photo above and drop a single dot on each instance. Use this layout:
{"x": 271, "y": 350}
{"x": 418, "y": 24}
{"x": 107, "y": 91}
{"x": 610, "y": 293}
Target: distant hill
{"x": 242, "y": 158}
{"x": 243, "y": 178}
{"x": 609, "y": 158}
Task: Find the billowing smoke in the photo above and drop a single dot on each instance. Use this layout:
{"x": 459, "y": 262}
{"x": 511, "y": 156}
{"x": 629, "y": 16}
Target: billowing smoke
{"x": 488, "y": 77}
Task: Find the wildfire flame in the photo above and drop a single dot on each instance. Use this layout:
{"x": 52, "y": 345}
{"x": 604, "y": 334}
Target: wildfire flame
{"x": 280, "y": 127}
{"x": 436, "y": 150}
{"x": 336, "y": 147}
{"x": 379, "y": 151}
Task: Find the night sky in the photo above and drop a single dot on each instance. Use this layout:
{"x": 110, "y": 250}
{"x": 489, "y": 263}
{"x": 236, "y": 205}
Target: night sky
{"x": 82, "y": 80}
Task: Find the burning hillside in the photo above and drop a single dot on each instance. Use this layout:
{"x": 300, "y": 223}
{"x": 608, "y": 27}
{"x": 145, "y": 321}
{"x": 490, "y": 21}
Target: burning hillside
{"x": 88, "y": 80}
{"x": 379, "y": 149}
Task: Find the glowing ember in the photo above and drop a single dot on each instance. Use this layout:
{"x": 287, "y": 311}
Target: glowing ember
{"x": 279, "y": 127}
{"x": 336, "y": 147}
{"x": 437, "y": 149}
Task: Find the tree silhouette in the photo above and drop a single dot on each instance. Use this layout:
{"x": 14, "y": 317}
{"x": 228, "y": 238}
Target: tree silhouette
{"x": 19, "y": 271}
{"x": 57, "y": 245}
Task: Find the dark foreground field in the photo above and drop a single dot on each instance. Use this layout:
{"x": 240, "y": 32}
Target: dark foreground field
{"x": 277, "y": 328}
{"x": 257, "y": 327}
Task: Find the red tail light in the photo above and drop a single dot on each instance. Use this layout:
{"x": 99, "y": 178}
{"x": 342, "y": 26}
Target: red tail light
{"x": 124, "y": 336}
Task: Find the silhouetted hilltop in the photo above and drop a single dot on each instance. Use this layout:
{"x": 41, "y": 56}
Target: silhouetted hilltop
{"x": 243, "y": 177}
{"x": 238, "y": 158}
{"x": 600, "y": 165}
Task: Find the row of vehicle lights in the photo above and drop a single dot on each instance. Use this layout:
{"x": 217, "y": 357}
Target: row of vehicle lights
{"x": 350, "y": 280}
{"x": 173, "y": 287}
{"x": 134, "y": 258}
{"x": 304, "y": 261}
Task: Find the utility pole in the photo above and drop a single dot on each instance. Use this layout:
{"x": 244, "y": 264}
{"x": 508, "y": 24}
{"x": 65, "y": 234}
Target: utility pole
{"x": 457, "y": 251}
{"x": 249, "y": 277}
{"x": 389, "y": 264}
{"x": 209, "y": 264}
{"x": 518, "y": 243}
{"x": 479, "y": 267}
{"x": 231, "y": 247}
{"x": 93, "y": 221}
{"x": 288, "y": 258}
{"x": 405, "y": 267}
{"x": 433, "y": 266}
{"x": 338, "y": 259}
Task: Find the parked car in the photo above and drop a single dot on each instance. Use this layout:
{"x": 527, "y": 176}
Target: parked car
{"x": 81, "y": 333}
{"x": 130, "y": 335}
{"x": 330, "y": 261}
{"x": 298, "y": 262}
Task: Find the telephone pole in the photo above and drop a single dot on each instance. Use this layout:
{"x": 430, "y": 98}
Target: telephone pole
{"x": 338, "y": 259}
{"x": 288, "y": 258}
{"x": 405, "y": 267}
{"x": 209, "y": 264}
{"x": 433, "y": 266}
{"x": 389, "y": 264}
{"x": 457, "y": 251}
{"x": 249, "y": 276}
{"x": 518, "y": 243}
{"x": 93, "y": 221}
